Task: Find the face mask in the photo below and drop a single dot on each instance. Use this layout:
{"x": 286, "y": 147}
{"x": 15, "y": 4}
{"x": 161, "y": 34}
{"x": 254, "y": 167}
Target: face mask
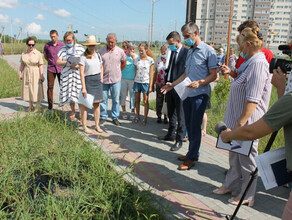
{"x": 244, "y": 56}
{"x": 163, "y": 56}
{"x": 70, "y": 45}
{"x": 189, "y": 42}
{"x": 172, "y": 47}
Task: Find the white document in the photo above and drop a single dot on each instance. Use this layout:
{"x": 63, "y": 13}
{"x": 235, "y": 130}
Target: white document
{"x": 87, "y": 102}
{"x": 182, "y": 88}
{"x": 240, "y": 147}
{"x": 264, "y": 162}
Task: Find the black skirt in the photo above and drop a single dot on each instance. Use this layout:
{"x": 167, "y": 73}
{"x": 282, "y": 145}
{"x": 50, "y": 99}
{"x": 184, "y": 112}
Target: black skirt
{"x": 94, "y": 87}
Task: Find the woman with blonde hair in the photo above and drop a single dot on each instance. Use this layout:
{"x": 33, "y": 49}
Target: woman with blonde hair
{"x": 70, "y": 83}
{"x": 143, "y": 81}
{"x": 248, "y": 101}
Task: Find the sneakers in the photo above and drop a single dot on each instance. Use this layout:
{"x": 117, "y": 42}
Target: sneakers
{"x": 116, "y": 122}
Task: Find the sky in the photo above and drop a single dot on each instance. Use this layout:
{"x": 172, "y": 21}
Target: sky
{"x": 129, "y": 19}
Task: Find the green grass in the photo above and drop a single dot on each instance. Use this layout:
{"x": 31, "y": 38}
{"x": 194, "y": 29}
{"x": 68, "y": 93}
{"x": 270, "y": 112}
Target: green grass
{"x": 48, "y": 171}
{"x": 10, "y": 84}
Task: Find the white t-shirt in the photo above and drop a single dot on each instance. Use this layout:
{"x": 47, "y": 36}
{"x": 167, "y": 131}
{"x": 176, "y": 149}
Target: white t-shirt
{"x": 92, "y": 66}
{"x": 143, "y": 70}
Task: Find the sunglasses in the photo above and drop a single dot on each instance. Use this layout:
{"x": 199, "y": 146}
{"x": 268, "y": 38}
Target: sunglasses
{"x": 30, "y": 45}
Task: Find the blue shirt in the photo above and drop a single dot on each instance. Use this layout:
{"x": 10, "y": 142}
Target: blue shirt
{"x": 221, "y": 58}
{"x": 129, "y": 71}
{"x": 199, "y": 61}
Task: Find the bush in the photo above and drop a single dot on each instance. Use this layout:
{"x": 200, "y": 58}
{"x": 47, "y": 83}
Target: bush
{"x": 221, "y": 92}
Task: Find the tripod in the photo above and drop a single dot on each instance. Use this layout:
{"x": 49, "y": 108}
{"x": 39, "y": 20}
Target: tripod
{"x": 253, "y": 175}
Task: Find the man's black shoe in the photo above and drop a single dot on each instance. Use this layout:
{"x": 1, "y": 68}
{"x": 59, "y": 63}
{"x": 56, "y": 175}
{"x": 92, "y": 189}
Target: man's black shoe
{"x": 159, "y": 120}
{"x": 176, "y": 146}
{"x": 101, "y": 121}
{"x": 165, "y": 138}
{"x": 116, "y": 122}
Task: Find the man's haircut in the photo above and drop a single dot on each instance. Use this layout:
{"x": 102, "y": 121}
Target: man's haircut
{"x": 248, "y": 23}
{"x": 191, "y": 27}
{"x": 111, "y": 36}
{"x": 54, "y": 32}
{"x": 175, "y": 35}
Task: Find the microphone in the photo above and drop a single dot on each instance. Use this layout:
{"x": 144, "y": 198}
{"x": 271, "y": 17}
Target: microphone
{"x": 285, "y": 47}
{"x": 221, "y": 126}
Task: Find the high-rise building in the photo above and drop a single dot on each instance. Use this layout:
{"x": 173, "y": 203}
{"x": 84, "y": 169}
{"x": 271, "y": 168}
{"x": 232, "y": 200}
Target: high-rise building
{"x": 273, "y": 16}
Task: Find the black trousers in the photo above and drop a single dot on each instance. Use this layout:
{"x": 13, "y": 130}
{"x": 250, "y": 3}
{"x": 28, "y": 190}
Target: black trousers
{"x": 175, "y": 115}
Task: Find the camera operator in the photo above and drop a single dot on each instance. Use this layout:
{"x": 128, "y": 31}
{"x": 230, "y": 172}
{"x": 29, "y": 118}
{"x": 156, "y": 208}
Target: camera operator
{"x": 278, "y": 116}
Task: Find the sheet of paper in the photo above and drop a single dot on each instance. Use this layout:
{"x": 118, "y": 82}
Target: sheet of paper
{"x": 182, "y": 88}
{"x": 87, "y": 102}
{"x": 240, "y": 147}
{"x": 264, "y": 162}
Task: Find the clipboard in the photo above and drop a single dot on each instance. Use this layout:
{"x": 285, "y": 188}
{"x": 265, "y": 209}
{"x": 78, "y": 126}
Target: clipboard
{"x": 240, "y": 147}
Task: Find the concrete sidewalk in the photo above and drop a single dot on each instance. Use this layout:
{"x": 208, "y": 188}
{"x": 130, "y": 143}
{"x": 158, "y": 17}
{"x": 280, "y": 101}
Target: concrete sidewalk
{"x": 189, "y": 193}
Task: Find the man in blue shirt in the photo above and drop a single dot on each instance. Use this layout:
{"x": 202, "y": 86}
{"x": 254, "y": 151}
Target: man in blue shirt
{"x": 201, "y": 68}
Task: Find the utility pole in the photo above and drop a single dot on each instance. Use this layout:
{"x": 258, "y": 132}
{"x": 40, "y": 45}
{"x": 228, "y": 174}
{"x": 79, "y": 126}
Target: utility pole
{"x": 2, "y": 32}
{"x": 229, "y": 35}
{"x": 153, "y": 2}
{"x": 19, "y": 35}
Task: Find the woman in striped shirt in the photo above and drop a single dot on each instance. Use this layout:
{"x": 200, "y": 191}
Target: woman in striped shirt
{"x": 248, "y": 101}
{"x": 70, "y": 83}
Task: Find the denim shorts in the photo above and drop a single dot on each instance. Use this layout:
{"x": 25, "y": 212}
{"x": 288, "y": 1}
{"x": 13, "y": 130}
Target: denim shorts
{"x": 141, "y": 87}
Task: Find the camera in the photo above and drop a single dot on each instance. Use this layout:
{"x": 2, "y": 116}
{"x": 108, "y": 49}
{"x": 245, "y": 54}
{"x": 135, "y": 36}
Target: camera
{"x": 285, "y": 65}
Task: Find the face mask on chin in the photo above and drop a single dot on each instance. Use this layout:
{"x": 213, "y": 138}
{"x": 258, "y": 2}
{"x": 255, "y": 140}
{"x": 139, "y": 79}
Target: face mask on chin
{"x": 163, "y": 56}
{"x": 244, "y": 56}
{"x": 70, "y": 45}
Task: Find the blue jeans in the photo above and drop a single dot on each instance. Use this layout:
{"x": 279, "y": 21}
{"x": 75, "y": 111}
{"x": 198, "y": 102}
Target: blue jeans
{"x": 115, "y": 90}
{"x": 194, "y": 109}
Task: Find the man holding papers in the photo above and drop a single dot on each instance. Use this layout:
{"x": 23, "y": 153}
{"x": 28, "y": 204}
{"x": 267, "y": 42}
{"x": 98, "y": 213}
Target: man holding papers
{"x": 201, "y": 65}
{"x": 175, "y": 67}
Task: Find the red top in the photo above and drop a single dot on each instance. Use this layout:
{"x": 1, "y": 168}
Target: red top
{"x": 269, "y": 55}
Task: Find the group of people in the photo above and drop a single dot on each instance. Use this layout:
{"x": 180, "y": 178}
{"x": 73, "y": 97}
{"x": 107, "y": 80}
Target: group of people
{"x": 120, "y": 70}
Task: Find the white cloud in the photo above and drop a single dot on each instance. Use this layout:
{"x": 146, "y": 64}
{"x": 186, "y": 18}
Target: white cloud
{"x": 62, "y": 13}
{"x": 17, "y": 21}
{"x": 33, "y": 28}
{"x": 4, "y": 18}
{"x": 39, "y": 17}
{"x": 8, "y": 3}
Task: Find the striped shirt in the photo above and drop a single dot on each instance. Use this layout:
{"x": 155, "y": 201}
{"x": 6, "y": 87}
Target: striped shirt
{"x": 253, "y": 84}
{"x": 70, "y": 83}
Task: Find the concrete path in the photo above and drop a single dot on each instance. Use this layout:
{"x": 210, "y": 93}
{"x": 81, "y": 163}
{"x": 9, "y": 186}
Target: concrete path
{"x": 188, "y": 193}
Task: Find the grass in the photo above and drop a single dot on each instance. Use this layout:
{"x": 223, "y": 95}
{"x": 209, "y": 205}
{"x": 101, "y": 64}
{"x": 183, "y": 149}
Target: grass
{"x": 10, "y": 84}
{"x": 48, "y": 171}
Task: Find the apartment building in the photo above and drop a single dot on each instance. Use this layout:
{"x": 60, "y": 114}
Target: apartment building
{"x": 273, "y": 16}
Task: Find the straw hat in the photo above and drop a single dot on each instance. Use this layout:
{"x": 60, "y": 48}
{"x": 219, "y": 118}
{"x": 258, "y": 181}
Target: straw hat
{"x": 90, "y": 40}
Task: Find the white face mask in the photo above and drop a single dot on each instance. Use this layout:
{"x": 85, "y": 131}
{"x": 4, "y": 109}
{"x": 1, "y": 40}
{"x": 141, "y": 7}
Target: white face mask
{"x": 163, "y": 56}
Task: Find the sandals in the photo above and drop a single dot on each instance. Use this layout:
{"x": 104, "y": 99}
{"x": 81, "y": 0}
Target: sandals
{"x": 72, "y": 116}
{"x": 88, "y": 131}
{"x": 136, "y": 120}
{"x": 222, "y": 191}
{"x": 143, "y": 123}
{"x": 99, "y": 130}
{"x": 203, "y": 133}
{"x": 235, "y": 201}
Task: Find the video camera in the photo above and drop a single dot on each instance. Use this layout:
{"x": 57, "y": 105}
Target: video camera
{"x": 285, "y": 65}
